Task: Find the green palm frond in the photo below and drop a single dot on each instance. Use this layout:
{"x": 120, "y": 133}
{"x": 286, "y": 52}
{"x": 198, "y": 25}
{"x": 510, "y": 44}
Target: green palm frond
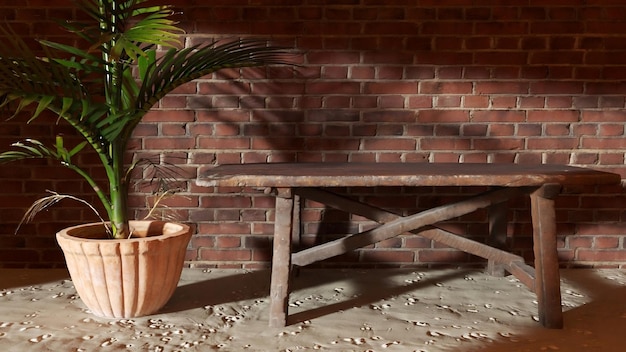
{"x": 29, "y": 79}
{"x": 34, "y": 149}
{"x": 112, "y": 35}
{"x": 92, "y": 85}
{"x": 27, "y": 149}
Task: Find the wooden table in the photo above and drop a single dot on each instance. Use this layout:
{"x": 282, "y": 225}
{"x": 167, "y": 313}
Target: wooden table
{"x": 290, "y": 181}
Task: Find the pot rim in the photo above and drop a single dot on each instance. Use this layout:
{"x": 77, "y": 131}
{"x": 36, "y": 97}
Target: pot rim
{"x": 66, "y": 233}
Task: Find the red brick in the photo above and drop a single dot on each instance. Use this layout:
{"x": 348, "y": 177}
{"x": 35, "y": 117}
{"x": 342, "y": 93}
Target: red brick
{"x": 501, "y": 88}
{"x": 386, "y": 58}
{"x": 198, "y": 241}
{"x": 222, "y": 143}
{"x": 222, "y": 115}
{"x": 443, "y": 116}
{"x": 552, "y": 143}
{"x": 475, "y": 130}
{"x": 391, "y": 102}
{"x": 224, "y": 228}
{"x": 445, "y": 87}
{"x": 532, "y": 102}
{"x": 586, "y": 158}
{"x": 559, "y": 88}
{"x": 442, "y": 256}
{"x": 608, "y": 215}
{"x": 498, "y": 144}
{"x": 419, "y": 130}
{"x": 586, "y": 102}
{"x": 603, "y": 242}
{"x": 585, "y": 129}
{"x": 389, "y": 144}
{"x": 334, "y": 72}
{"x": 554, "y": 102}
{"x": 361, "y": 73}
{"x": 601, "y": 229}
{"x": 450, "y": 13}
{"x": 475, "y": 102}
{"x": 507, "y": 43}
{"x": 331, "y": 144}
{"x": 611, "y": 158}
{"x": 506, "y": 73}
{"x": 448, "y": 43}
{"x": 390, "y": 88}
{"x": 611, "y": 102}
{"x": 228, "y": 242}
{"x": 601, "y": 255}
{"x": 225, "y": 255}
{"x": 445, "y": 144}
{"x": 498, "y": 116}
{"x": 608, "y": 129}
{"x": 444, "y": 28}
{"x": 499, "y": 102}
{"x": 554, "y": 116}
{"x": 447, "y": 130}
{"x": 448, "y": 101}
{"x": 169, "y": 116}
{"x": 438, "y": 58}
{"x": 419, "y": 72}
{"x": 341, "y": 102}
{"x": 420, "y": 102}
{"x": 604, "y": 116}
{"x": 277, "y": 88}
{"x": 606, "y": 88}
{"x": 502, "y": 58}
{"x": 394, "y": 116}
{"x": 387, "y": 256}
{"x": 604, "y": 143}
{"x": 557, "y": 129}
{"x": 475, "y": 158}
{"x": 529, "y": 158}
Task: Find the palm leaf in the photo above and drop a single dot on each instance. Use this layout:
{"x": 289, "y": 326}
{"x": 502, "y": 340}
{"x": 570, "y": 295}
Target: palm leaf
{"x": 34, "y": 149}
{"x": 92, "y": 87}
{"x": 27, "y": 149}
{"x": 152, "y": 25}
{"x": 89, "y": 63}
{"x": 48, "y": 201}
{"x": 25, "y": 77}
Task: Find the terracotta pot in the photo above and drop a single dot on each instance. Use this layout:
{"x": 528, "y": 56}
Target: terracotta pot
{"x": 125, "y": 278}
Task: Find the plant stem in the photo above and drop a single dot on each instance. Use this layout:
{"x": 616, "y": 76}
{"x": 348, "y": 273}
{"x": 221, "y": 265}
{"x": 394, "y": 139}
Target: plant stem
{"x": 118, "y": 193}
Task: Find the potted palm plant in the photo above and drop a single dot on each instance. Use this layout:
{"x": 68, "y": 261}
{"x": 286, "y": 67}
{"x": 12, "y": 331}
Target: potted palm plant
{"x": 128, "y": 58}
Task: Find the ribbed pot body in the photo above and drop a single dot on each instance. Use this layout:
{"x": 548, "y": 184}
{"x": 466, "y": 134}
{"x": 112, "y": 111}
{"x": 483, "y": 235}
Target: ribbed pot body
{"x": 129, "y": 277}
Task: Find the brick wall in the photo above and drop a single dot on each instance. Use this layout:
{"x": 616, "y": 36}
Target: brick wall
{"x": 402, "y": 81}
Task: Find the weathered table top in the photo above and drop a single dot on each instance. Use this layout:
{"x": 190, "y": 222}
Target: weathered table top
{"x": 398, "y": 174}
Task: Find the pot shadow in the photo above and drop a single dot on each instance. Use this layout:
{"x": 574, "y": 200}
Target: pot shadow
{"x": 256, "y": 285}
{"x": 11, "y": 278}
{"x": 219, "y": 290}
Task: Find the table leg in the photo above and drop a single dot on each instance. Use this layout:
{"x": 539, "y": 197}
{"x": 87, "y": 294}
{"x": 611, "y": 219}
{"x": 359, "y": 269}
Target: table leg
{"x": 295, "y": 232}
{"x": 281, "y": 259}
{"x": 547, "y": 280}
{"x": 497, "y": 236}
